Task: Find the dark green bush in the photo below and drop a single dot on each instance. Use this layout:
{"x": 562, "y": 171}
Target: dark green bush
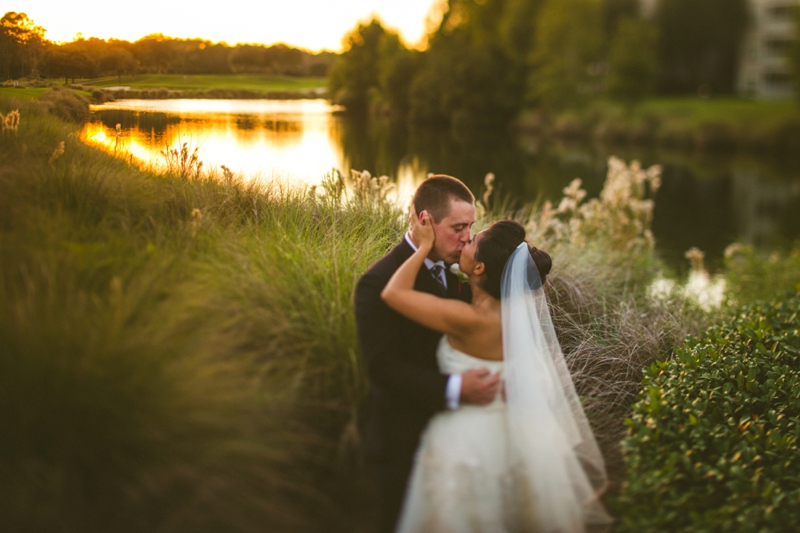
{"x": 713, "y": 441}
{"x": 65, "y": 104}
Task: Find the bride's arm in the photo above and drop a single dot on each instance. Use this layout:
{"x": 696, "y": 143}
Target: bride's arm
{"x": 453, "y": 317}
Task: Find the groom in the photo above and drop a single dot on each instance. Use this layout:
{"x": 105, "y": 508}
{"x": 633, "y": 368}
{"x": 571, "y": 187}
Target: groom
{"x": 406, "y": 387}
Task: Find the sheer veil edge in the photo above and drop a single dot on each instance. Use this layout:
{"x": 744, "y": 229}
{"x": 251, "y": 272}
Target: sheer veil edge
{"x": 560, "y": 470}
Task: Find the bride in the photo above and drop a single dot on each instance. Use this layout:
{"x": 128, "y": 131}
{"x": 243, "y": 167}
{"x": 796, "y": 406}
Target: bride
{"x": 528, "y": 462}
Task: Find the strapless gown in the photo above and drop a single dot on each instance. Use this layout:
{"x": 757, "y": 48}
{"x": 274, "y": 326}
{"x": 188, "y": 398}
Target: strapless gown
{"x": 462, "y": 480}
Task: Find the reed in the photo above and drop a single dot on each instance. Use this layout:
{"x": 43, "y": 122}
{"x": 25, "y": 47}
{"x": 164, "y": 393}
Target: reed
{"x": 178, "y": 353}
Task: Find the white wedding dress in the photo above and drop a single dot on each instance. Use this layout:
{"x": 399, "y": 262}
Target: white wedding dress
{"x": 528, "y": 464}
{"x": 462, "y": 480}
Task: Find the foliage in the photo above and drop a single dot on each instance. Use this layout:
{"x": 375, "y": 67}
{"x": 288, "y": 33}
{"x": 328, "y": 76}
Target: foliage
{"x": 69, "y": 62}
{"x": 753, "y": 275}
{"x": 620, "y": 218}
{"x": 158, "y": 369}
{"x": 698, "y": 123}
{"x": 699, "y": 45}
{"x": 66, "y": 104}
{"x": 396, "y": 67}
{"x": 615, "y": 11}
{"x": 473, "y": 72}
{"x": 712, "y": 443}
{"x": 565, "y": 60}
{"x": 24, "y": 52}
{"x": 252, "y": 82}
{"x": 21, "y": 42}
{"x": 633, "y": 64}
{"x": 355, "y": 77}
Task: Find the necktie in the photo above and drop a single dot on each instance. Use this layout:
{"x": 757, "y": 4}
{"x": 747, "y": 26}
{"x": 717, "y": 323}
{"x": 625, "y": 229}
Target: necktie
{"x": 438, "y": 274}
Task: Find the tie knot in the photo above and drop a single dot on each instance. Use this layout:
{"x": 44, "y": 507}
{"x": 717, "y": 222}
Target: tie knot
{"x": 438, "y": 274}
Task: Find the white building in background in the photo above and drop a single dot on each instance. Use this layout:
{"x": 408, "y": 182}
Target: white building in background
{"x": 764, "y": 70}
{"x": 648, "y": 8}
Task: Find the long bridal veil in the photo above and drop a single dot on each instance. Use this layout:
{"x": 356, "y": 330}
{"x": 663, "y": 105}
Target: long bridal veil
{"x": 559, "y": 469}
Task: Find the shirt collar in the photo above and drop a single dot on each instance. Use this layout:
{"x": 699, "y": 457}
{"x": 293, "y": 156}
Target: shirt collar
{"x": 428, "y": 263}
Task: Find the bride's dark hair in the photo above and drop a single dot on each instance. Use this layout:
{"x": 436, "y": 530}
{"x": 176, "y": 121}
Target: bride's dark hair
{"x": 495, "y": 247}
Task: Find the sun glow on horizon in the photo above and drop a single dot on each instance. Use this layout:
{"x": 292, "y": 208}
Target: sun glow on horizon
{"x": 314, "y": 25}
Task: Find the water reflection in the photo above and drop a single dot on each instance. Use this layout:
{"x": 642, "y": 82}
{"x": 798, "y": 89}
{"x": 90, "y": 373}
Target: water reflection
{"x": 251, "y": 137}
{"x": 706, "y": 201}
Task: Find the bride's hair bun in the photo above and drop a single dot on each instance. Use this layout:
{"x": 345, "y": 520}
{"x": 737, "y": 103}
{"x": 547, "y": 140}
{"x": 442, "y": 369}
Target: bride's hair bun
{"x": 543, "y": 262}
{"x": 496, "y": 246}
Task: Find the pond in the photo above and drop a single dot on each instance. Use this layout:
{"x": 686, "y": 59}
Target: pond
{"x": 706, "y": 200}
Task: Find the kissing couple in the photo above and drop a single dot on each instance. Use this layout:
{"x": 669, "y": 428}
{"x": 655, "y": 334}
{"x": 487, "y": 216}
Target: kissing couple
{"x": 474, "y": 424}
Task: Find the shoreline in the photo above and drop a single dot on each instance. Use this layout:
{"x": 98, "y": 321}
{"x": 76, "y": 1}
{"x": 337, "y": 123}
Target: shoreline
{"x": 710, "y": 125}
{"x": 106, "y": 95}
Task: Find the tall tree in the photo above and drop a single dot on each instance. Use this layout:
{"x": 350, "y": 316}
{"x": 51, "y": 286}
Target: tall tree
{"x": 354, "y": 77}
{"x": 613, "y": 11}
{"x": 474, "y": 69}
{"x": 699, "y": 44}
{"x": 117, "y": 60}
{"x": 632, "y": 61}
{"x": 69, "y": 62}
{"x": 21, "y": 43}
{"x": 566, "y": 66}
{"x": 397, "y": 67}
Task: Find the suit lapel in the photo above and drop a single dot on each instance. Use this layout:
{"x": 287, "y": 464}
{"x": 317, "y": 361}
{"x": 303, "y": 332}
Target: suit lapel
{"x": 426, "y": 282}
{"x": 452, "y": 284}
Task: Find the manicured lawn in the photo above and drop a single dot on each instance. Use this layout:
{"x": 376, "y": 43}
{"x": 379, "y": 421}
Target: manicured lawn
{"x": 31, "y": 92}
{"x": 255, "y": 82}
{"x": 22, "y": 93}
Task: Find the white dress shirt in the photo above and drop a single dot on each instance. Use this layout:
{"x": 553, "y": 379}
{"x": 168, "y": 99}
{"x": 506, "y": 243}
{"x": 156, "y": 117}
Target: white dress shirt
{"x": 453, "y": 390}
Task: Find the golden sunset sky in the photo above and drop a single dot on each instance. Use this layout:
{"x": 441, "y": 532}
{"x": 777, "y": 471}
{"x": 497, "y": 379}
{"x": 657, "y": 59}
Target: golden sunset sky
{"x": 311, "y": 24}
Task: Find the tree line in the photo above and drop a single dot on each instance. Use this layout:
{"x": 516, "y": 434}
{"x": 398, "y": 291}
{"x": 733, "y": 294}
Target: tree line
{"x": 25, "y": 52}
{"x": 487, "y": 59}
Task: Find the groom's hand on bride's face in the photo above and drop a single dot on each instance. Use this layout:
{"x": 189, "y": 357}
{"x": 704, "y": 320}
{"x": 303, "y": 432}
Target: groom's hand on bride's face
{"x": 479, "y": 386}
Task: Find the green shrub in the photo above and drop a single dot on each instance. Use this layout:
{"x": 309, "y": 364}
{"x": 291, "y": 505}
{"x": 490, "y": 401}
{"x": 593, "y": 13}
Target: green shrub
{"x": 712, "y": 444}
{"x": 66, "y": 104}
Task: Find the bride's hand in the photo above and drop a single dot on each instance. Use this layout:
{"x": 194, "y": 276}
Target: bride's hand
{"x": 422, "y": 229}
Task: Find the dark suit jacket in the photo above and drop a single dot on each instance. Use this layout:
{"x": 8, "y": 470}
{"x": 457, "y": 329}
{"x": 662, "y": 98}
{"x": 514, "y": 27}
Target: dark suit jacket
{"x": 406, "y": 387}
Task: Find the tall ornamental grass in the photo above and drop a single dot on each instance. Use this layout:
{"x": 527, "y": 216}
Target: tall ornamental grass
{"x": 176, "y": 354}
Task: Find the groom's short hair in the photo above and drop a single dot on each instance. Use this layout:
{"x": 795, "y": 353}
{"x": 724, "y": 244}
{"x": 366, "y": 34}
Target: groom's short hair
{"x": 434, "y": 194}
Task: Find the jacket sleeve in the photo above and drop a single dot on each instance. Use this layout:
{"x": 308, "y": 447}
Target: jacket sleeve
{"x": 382, "y": 350}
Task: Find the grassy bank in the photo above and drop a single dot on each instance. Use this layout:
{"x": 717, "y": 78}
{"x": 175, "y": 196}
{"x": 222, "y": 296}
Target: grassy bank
{"x": 693, "y": 123}
{"x": 253, "y": 82}
{"x": 33, "y": 92}
{"x": 159, "y": 370}
{"x": 178, "y": 352}
{"x": 231, "y": 86}
{"x": 149, "y": 86}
